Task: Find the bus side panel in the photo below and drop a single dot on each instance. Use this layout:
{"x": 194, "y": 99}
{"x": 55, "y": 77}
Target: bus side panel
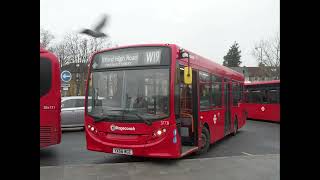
{"x": 50, "y": 129}
{"x": 238, "y": 113}
{"x": 269, "y": 112}
{"x": 206, "y": 117}
{"x": 217, "y": 125}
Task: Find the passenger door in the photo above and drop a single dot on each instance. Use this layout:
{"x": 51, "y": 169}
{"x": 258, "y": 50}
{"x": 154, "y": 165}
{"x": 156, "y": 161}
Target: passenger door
{"x": 186, "y": 108}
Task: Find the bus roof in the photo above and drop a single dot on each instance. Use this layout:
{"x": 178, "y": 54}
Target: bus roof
{"x": 42, "y": 50}
{"x": 262, "y": 82}
{"x": 213, "y": 67}
{"x": 51, "y": 56}
{"x": 198, "y": 61}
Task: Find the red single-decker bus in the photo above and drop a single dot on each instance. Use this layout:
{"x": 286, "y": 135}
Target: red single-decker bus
{"x": 262, "y": 100}
{"x": 50, "y": 99}
{"x": 159, "y": 100}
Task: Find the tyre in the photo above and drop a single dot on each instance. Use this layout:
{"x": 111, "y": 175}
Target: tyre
{"x": 205, "y": 140}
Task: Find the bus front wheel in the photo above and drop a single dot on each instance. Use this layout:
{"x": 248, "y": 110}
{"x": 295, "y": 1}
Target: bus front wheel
{"x": 205, "y": 141}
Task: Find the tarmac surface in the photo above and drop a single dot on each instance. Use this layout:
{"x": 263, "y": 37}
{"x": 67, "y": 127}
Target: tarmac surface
{"x": 255, "y": 138}
{"x": 246, "y": 167}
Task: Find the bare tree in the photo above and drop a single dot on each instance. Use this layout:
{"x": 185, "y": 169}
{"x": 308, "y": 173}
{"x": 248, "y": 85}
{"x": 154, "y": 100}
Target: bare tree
{"x": 73, "y": 52}
{"x": 98, "y": 44}
{"x": 73, "y": 43}
{"x": 45, "y": 38}
{"x": 68, "y": 50}
{"x": 267, "y": 54}
{"x": 60, "y": 50}
{"x": 75, "y": 48}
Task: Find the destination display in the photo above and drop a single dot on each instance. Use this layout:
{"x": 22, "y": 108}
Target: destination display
{"x": 138, "y": 56}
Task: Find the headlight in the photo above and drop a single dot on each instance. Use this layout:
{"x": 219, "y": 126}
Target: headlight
{"x": 159, "y": 132}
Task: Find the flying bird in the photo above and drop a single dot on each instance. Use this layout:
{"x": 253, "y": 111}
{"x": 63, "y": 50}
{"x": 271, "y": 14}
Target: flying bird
{"x": 96, "y": 32}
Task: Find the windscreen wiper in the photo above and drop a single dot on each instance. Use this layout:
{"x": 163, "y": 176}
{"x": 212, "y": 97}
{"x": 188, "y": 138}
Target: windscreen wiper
{"x": 147, "y": 121}
{"x": 119, "y": 110}
{"x": 106, "y": 117}
{"x": 98, "y": 119}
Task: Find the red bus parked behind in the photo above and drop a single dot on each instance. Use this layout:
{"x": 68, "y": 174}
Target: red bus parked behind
{"x": 50, "y": 99}
{"x": 262, "y": 100}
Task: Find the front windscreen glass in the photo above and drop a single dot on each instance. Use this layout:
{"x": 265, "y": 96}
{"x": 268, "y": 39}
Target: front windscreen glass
{"x": 129, "y": 95}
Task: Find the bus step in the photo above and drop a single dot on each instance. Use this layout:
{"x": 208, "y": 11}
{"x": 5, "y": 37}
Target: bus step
{"x": 187, "y": 150}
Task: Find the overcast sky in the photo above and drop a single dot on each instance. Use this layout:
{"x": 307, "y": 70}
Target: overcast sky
{"x": 206, "y": 27}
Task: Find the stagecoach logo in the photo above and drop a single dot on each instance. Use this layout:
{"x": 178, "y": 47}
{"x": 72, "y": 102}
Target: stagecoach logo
{"x": 263, "y": 108}
{"x": 114, "y": 127}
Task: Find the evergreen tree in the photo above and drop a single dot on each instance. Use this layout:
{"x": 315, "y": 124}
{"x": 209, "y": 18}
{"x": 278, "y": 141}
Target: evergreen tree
{"x": 232, "y": 59}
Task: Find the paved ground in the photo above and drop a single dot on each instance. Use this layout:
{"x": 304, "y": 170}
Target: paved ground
{"x": 256, "y": 138}
{"x": 246, "y": 167}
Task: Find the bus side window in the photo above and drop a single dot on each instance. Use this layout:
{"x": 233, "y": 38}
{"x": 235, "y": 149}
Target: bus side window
{"x": 274, "y": 96}
{"x": 205, "y": 90}
{"x": 234, "y": 93}
{"x": 216, "y": 89}
{"x": 246, "y": 96}
{"x": 255, "y": 96}
{"x": 265, "y": 96}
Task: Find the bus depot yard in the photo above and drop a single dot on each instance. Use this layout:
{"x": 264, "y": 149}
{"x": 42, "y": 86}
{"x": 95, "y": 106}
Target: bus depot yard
{"x": 160, "y": 90}
{"x": 254, "y": 153}
{"x": 164, "y": 103}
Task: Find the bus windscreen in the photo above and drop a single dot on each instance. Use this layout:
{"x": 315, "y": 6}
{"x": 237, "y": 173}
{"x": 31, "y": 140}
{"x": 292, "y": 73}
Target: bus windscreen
{"x": 129, "y": 95}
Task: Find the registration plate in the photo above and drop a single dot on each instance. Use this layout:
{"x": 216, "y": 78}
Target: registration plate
{"x": 122, "y": 151}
